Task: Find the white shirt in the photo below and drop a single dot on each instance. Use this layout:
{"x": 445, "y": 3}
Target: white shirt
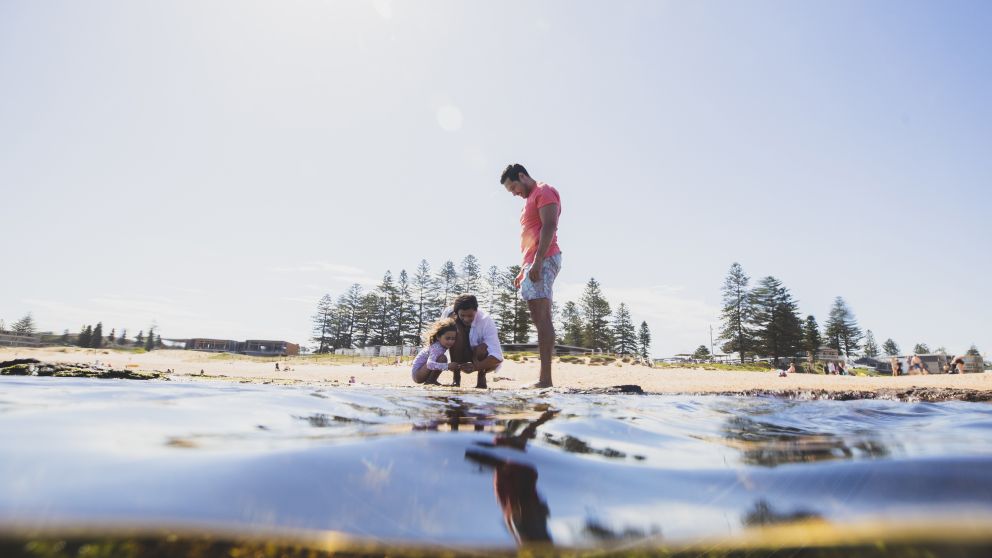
{"x": 483, "y": 330}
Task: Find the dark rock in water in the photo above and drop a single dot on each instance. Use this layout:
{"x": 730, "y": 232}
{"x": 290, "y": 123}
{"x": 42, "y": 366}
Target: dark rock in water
{"x": 30, "y": 366}
{"x": 629, "y": 388}
{"x": 612, "y": 390}
{"x": 16, "y": 361}
{"x": 925, "y": 394}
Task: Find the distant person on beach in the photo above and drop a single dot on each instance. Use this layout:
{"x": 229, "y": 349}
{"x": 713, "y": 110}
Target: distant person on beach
{"x": 957, "y": 366}
{"x": 430, "y": 361}
{"x": 916, "y": 364}
{"x": 541, "y": 256}
{"x": 831, "y": 368}
{"x": 477, "y": 348}
{"x": 896, "y": 366}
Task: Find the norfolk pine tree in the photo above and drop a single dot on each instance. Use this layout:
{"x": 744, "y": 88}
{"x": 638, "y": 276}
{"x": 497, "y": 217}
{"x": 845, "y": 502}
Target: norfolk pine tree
{"x": 624, "y": 334}
{"x": 447, "y": 280}
{"x": 471, "y": 276}
{"x": 24, "y": 326}
{"x": 96, "y": 341}
{"x": 871, "y": 348}
{"x": 644, "y": 341}
{"x": 736, "y": 313}
{"x": 322, "y": 325}
{"x": 596, "y": 313}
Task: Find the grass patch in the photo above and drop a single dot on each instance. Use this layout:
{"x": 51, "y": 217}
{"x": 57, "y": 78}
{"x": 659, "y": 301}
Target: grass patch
{"x": 325, "y": 358}
{"x": 748, "y": 367}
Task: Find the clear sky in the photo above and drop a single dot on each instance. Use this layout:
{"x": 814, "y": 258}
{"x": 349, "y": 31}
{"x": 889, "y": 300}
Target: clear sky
{"x": 215, "y": 167}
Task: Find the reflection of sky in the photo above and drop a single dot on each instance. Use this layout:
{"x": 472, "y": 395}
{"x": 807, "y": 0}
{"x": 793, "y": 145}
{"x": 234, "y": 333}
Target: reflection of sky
{"x": 366, "y": 461}
{"x": 180, "y": 151}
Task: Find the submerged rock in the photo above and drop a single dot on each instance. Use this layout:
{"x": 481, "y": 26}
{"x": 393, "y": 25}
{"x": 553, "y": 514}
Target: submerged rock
{"x": 914, "y": 394}
{"x": 33, "y": 367}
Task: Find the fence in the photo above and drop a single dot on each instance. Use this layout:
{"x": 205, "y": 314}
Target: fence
{"x": 11, "y": 340}
{"x": 379, "y": 351}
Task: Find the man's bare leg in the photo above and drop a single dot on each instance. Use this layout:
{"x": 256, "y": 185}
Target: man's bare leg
{"x": 540, "y": 314}
{"x": 483, "y": 363}
{"x": 460, "y": 352}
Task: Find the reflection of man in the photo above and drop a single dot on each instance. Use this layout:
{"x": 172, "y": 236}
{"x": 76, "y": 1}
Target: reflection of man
{"x": 524, "y": 511}
{"x": 477, "y": 347}
{"x": 541, "y": 256}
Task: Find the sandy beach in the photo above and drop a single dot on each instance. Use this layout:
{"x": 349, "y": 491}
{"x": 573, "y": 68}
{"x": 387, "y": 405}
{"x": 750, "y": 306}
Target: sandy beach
{"x": 513, "y": 375}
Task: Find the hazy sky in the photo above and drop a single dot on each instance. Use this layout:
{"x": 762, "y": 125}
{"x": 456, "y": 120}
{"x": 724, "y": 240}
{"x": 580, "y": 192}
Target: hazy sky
{"x": 215, "y": 167}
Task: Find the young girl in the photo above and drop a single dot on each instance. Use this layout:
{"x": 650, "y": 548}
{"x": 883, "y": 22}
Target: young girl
{"x": 430, "y": 362}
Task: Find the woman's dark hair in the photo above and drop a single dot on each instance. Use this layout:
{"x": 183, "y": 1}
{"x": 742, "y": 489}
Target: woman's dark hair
{"x": 466, "y": 302}
{"x": 438, "y": 329}
{"x": 512, "y": 172}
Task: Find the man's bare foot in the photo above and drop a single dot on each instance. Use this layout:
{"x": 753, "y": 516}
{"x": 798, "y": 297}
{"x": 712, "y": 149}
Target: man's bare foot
{"x": 538, "y": 385}
{"x": 481, "y": 384}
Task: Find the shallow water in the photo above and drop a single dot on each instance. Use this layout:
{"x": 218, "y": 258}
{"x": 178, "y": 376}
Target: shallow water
{"x": 480, "y": 470}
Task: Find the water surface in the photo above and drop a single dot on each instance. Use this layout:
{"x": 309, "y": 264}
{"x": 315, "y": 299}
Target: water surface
{"x": 480, "y": 469}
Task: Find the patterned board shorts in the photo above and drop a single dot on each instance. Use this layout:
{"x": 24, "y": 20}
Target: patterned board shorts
{"x": 530, "y": 290}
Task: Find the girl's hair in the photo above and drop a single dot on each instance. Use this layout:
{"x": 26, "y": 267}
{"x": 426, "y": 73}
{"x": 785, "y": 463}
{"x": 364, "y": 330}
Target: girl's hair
{"x": 438, "y": 329}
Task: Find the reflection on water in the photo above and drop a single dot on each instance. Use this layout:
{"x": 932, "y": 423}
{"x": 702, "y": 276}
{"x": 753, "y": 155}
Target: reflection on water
{"x": 525, "y": 513}
{"x": 763, "y": 514}
{"x": 483, "y": 470}
{"x": 767, "y": 444}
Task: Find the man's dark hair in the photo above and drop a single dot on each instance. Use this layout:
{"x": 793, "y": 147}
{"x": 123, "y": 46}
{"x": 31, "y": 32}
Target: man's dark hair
{"x": 512, "y": 172}
{"x": 466, "y": 302}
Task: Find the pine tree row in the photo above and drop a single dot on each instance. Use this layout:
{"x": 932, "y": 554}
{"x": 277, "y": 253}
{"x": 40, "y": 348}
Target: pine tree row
{"x": 764, "y": 321}
{"x": 397, "y": 311}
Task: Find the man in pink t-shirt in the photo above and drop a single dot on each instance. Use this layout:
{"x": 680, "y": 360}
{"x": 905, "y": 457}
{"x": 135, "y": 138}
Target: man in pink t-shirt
{"x": 542, "y": 256}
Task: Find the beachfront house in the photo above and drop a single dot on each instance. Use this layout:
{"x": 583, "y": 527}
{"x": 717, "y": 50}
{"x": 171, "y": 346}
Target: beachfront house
{"x": 259, "y": 347}
{"x": 212, "y": 345}
{"x": 254, "y": 347}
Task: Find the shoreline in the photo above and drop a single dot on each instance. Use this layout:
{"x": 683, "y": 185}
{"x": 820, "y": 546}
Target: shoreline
{"x": 570, "y": 378}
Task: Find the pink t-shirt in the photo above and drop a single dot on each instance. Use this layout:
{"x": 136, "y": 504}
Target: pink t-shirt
{"x": 530, "y": 221}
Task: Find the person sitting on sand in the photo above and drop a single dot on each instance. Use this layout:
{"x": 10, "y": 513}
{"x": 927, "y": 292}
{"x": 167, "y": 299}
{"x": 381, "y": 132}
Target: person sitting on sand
{"x": 430, "y": 361}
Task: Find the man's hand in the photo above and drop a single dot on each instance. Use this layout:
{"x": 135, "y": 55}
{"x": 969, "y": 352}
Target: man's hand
{"x": 468, "y": 367}
{"x": 519, "y": 279}
{"x": 535, "y": 270}
{"x": 454, "y": 367}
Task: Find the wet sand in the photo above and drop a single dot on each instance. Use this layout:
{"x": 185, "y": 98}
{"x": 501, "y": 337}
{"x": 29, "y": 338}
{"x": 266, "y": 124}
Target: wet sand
{"x": 514, "y": 375}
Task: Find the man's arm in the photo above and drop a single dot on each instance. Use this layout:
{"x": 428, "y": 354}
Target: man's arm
{"x": 549, "y": 226}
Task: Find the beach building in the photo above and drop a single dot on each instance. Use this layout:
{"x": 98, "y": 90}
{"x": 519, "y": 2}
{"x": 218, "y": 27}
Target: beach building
{"x": 260, "y": 347}
{"x": 212, "y": 345}
{"x": 254, "y": 347}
